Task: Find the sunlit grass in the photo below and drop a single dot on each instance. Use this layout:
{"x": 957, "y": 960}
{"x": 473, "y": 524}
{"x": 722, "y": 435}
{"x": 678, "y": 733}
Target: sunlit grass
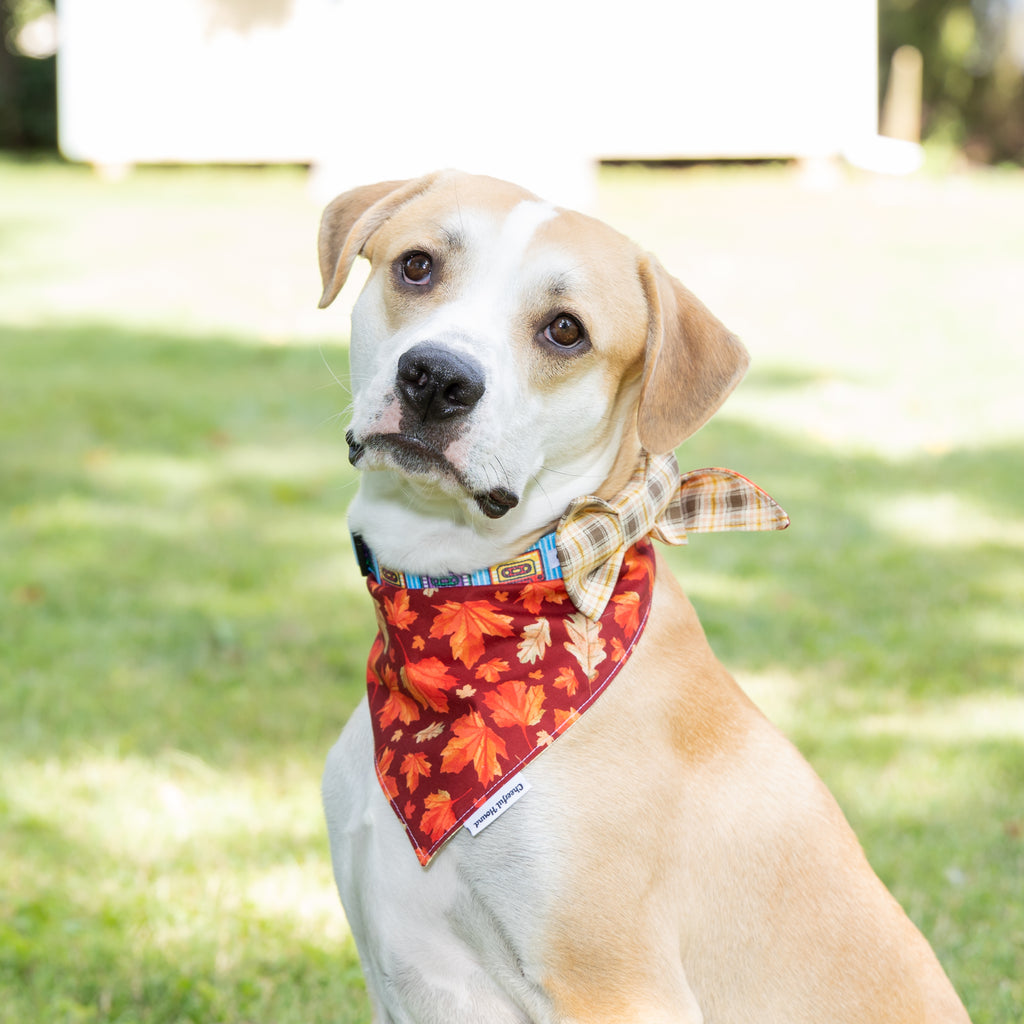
{"x": 183, "y": 630}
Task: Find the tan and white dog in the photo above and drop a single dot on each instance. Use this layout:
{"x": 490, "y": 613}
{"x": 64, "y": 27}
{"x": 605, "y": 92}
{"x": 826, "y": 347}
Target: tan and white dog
{"x": 506, "y": 357}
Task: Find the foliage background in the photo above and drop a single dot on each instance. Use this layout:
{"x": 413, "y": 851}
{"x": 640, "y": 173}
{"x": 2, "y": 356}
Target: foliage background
{"x": 973, "y": 88}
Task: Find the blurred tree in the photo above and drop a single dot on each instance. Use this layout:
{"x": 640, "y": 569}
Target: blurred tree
{"x": 28, "y": 84}
{"x": 10, "y": 114}
{"x": 973, "y": 88}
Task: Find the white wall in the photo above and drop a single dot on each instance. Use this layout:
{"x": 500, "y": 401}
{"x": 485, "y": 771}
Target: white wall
{"x": 535, "y": 90}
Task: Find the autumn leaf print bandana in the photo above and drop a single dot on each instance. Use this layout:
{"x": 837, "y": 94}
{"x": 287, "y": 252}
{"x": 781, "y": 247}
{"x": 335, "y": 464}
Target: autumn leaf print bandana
{"x": 468, "y": 683}
{"x": 472, "y": 676}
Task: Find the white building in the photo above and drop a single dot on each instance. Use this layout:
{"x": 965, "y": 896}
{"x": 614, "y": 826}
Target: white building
{"x": 536, "y": 90}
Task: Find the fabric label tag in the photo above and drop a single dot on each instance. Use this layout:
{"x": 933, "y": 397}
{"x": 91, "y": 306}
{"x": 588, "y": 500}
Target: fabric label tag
{"x": 497, "y": 805}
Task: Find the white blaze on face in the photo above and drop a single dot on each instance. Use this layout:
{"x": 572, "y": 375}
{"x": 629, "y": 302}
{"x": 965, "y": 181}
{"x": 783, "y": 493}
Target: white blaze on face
{"x": 477, "y": 321}
{"x": 484, "y": 320}
{"x": 480, "y": 318}
{"x": 542, "y": 428}
{"x": 542, "y": 438}
{"x": 517, "y": 232}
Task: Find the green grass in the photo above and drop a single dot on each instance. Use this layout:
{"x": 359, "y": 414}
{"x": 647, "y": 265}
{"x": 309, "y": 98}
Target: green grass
{"x": 182, "y": 630}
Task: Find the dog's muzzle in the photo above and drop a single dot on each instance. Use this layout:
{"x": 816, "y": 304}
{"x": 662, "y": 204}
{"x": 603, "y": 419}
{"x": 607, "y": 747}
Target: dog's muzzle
{"x": 436, "y": 388}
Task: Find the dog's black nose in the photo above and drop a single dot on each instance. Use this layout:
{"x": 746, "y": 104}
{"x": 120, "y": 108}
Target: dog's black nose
{"x": 438, "y": 384}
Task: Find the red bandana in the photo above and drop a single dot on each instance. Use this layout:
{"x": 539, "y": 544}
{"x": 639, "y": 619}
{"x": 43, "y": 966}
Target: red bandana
{"x": 467, "y": 684}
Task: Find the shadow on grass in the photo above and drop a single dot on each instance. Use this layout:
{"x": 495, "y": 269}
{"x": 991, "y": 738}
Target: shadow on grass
{"x": 181, "y": 580}
{"x": 892, "y": 576}
{"x": 69, "y": 963}
{"x": 181, "y": 569}
{"x": 90, "y": 934}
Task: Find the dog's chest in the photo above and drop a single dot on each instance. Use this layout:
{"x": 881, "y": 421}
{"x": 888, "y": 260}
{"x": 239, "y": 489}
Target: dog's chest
{"x": 455, "y": 934}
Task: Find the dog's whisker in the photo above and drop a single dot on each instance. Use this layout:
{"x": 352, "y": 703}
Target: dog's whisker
{"x": 494, "y": 472}
{"x": 334, "y": 418}
{"x": 596, "y": 478}
{"x": 337, "y": 380}
{"x": 543, "y": 490}
{"x": 343, "y": 487}
{"x": 333, "y": 383}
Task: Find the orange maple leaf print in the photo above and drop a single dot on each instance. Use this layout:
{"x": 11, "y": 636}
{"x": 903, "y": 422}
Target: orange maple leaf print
{"x": 566, "y": 680}
{"x": 467, "y": 622}
{"x": 585, "y": 643}
{"x": 536, "y": 638}
{"x": 627, "y": 610}
{"x": 637, "y": 567}
{"x": 516, "y": 705}
{"x": 378, "y": 647}
{"x": 398, "y": 705}
{"x": 415, "y": 765}
{"x": 438, "y": 816}
{"x": 428, "y": 682}
{"x": 618, "y": 651}
{"x": 383, "y": 641}
{"x": 490, "y": 671}
{"x": 473, "y": 742}
{"x": 397, "y": 610}
{"x": 383, "y": 768}
{"x": 533, "y": 595}
{"x": 386, "y": 675}
{"x": 563, "y": 719}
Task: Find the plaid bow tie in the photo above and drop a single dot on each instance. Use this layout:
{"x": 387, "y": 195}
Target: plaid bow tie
{"x": 593, "y": 534}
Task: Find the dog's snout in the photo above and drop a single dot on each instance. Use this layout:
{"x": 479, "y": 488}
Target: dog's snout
{"x": 437, "y": 384}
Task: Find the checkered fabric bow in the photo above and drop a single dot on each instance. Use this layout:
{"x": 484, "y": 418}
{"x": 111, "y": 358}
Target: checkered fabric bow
{"x": 593, "y": 534}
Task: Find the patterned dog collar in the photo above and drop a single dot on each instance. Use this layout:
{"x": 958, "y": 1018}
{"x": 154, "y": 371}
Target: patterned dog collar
{"x": 587, "y": 547}
{"x": 539, "y": 563}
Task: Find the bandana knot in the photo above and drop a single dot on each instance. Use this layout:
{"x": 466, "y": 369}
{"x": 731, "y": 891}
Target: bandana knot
{"x": 593, "y": 533}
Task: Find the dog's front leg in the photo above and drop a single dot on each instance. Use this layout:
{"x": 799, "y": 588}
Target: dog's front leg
{"x": 643, "y": 995}
{"x": 432, "y": 946}
{"x": 591, "y": 983}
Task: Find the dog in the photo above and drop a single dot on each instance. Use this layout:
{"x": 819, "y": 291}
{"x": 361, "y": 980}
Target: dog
{"x": 666, "y": 856}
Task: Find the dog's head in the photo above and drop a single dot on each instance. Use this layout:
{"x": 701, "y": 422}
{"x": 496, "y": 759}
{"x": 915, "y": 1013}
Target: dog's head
{"x": 506, "y": 357}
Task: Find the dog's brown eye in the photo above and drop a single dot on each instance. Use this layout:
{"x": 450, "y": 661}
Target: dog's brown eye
{"x": 565, "y": 331}
{"x": 416, "y": 268}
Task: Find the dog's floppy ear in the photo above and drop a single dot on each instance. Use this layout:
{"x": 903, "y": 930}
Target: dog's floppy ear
{"x": 349, "y": 221}
{"x": 690, "y": 365}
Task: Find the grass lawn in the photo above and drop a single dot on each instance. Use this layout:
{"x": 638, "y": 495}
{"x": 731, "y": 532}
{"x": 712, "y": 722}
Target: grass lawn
{"x": 183, "y": 631}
